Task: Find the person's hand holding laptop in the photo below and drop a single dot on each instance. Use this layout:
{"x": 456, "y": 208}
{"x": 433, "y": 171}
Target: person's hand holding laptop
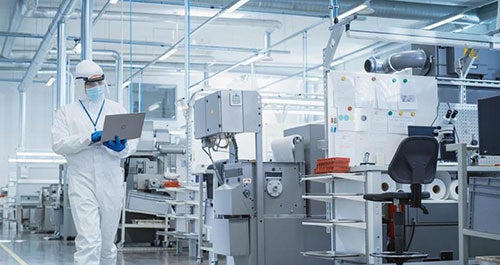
{"x": 117, "y": 129}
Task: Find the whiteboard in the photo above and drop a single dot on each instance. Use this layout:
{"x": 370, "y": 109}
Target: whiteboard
{"x": 371, "y": 112}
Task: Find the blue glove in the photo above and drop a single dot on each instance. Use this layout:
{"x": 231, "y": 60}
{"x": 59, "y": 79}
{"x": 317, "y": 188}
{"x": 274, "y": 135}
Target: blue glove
{"x": 117, "y": 145}
{"x": 96, "y": 136}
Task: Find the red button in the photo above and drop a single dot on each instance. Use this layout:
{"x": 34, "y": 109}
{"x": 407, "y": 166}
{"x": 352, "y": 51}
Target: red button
{"x": 349, "y": 108}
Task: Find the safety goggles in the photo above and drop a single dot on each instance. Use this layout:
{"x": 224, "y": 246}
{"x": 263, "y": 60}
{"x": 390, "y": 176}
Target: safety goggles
{"x": 93, "y": 81}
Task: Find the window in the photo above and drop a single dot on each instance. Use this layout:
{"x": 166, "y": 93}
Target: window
{"x": 158, "y": 101}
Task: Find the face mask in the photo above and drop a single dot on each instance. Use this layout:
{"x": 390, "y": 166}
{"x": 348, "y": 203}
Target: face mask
{"x": 95, "y": 93}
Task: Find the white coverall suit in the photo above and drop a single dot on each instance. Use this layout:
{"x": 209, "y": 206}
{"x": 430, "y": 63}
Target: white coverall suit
{"x": 95, "y": 179}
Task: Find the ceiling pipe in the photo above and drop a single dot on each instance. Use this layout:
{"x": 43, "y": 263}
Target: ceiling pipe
{"x": 65, "y": 8}
{"x": 22, "y": 8}
{"x": 145, "y": 43}
{"x": 86, "y": 30}
{"x": 181, "y": 40}
{"x": 316, "y": 8}
{"x": 230, "y": 68}
{"x": 269, "y": 25}
{"x": 398, "y": 62}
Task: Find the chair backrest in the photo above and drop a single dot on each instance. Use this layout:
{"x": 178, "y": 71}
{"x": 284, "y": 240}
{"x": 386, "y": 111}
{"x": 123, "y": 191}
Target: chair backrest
{"x": 415, "y": 160}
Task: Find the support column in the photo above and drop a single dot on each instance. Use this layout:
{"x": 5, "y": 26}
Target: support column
{"x": 61, "y": 65}
{"x": 22, "y": 120}
{"x": 86, "y": 30}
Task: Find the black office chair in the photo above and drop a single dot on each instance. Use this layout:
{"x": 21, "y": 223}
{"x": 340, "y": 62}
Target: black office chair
{"x": 414, "y": 163}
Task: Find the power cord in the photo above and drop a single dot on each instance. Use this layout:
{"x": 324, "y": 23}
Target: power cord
{"x": 414, "y": 224}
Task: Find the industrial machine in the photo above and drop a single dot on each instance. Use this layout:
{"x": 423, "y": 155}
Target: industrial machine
{"x": 147, "y": 172}
{"x": 257, "y": 206}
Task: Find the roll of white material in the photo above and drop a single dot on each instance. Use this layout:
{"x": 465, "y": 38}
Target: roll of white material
{"x": 387, "y": 184}
{"x": 446, "y": 178}
{"x": 437, "y": 189}
{"x": 287, "y": 149}
{"x": 453, "y": 188}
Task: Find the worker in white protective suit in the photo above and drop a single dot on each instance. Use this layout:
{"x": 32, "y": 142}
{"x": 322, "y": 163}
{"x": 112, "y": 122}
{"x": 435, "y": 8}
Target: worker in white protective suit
{"x": 94, "y": 175}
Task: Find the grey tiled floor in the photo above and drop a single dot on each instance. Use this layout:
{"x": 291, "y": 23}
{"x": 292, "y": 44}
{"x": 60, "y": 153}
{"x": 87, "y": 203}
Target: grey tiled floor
{"x": 33, "y": 249}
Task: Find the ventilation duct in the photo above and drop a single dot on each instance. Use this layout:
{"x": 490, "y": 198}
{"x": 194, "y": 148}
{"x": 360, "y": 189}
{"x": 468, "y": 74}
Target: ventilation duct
{"x": 398, "y": 62}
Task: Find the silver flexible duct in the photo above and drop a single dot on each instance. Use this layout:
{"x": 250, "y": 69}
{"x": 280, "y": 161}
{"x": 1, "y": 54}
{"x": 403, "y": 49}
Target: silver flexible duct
{"x": 397, "y": 62}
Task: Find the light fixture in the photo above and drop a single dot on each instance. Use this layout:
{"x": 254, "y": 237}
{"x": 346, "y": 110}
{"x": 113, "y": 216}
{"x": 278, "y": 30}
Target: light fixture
{"x": 444, "y": 21}
{"x": 37, "y": 154}
{"x": 253, "y": 59}
{"x": 235, "y": 6}
{"x": 353, "y": 10}
{"x": 50, "y": 82}
{"x": 126, "y": 84}
{"x": 297, "y": 112}
{"x": 113, "y": 1}
{"x": 36, "y": 161}
{"x": 337, "y": 62}
{"x": 298, "y": 102}
{"x": 168, "y": 54}
{"x": 154, "y": 106}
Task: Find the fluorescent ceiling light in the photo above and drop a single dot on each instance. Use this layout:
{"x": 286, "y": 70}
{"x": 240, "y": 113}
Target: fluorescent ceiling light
{"x": 154, "y": 106}
{"x": 168, "y": 54}
{"x": 353, "y": 11}
{"x": 113, "y": 1}
{"x": 444, "y": 21}
{"x": 36, "y": 161}
{"x": 337, "y": 62}
{"x": 297, "y": 112}
{"x": 253, "y": 59}
{"x": 207, "y": 13}
{"x": 50, "y": 82}
{"x": 235, "y": 6}
{"x": 298, "y": 102}
{"x": 38, "y": 154}
{"x": 125, "y": 84}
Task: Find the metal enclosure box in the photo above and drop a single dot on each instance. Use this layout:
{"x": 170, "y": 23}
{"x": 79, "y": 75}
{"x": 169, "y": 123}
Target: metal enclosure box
{"x": 232, "y": 236}
{"x": 222, "y": 112}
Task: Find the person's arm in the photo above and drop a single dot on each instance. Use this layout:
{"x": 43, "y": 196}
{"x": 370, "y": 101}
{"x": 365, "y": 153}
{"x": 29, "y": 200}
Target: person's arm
{"x": 62, "y": 142}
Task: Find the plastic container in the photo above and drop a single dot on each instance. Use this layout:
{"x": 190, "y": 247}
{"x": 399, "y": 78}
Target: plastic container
{"x": 484, "y": 198}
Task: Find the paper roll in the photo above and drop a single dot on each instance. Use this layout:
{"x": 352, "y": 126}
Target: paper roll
{"x": 387, "y": 184}
{"x": 446, "y": 178}
{"x": 453, "y": 188}
{"x": 437, "y": 189}
{"x": 284, "y": 149}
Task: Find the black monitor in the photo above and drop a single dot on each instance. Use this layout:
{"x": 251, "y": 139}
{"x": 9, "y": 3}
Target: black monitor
{"x": 421, "y": 131}
{"x": 489, "y": 125}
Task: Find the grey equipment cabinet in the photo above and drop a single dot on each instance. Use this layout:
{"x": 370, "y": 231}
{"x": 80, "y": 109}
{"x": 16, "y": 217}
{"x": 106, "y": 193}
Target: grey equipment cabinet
{"x": 464, "y": 232}
{"x": 347, "y": 216}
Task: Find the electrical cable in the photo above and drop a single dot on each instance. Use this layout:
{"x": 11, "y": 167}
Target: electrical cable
{"x": 414, "y": 224}
{"x": 233, "y": 140}
{"x": 437, "y": 114}
{"x": 221, "y": 181}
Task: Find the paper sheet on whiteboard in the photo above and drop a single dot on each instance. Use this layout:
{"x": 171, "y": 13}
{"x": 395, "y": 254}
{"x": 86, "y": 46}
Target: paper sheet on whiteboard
{"x": 378, "y": 124}
{"x": 345, "y": 92}
{"x": 386, "y": 94}
{"x": 362, "y": 120}
{"x": 364, "y": 93}
{"x": 398, "y": 124}
{"x": 345, "y": 144}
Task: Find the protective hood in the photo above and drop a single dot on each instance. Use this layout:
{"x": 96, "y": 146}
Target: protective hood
{"x": 84, "y": 71}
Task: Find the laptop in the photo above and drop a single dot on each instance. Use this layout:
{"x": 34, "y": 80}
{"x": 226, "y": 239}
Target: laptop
{"x": 125, "y": 126}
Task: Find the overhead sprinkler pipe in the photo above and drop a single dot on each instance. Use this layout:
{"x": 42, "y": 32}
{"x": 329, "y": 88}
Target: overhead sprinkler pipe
{"x": 398, "y": 62}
